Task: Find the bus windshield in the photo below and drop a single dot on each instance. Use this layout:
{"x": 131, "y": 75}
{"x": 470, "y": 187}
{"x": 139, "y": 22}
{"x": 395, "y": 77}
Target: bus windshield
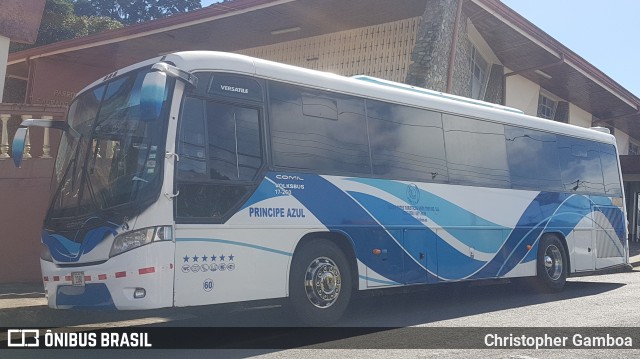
{"x": 116, "y": 157}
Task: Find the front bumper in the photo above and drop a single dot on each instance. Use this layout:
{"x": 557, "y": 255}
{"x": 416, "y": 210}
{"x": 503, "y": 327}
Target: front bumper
{"x": 112, "y": 284}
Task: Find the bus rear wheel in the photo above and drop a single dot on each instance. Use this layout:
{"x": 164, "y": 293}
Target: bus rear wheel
{"x": 552, "y": 264}
{"x": 320, "y": 284}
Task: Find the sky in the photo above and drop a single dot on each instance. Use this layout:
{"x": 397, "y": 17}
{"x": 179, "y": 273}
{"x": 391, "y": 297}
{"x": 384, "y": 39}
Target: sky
{"x": 606, "y": 33}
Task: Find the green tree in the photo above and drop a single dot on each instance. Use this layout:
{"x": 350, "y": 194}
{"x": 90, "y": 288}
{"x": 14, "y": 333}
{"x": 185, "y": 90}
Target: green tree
{"x": 59, "y": 22}
{"x": 134, "y": 11}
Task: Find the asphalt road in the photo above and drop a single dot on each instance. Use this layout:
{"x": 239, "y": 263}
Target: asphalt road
{"x": 406, "y": 322}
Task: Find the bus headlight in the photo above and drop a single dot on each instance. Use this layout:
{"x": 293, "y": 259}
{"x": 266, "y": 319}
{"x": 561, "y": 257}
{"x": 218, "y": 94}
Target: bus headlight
{"x": 134, "y": 239}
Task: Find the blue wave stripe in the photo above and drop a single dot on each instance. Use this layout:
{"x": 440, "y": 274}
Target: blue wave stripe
{"x": 615, "y": 217}
{"x": 446, "y": 262}
{"x": 548, "y": 212}
{"x": 63, "y": 249}
{"x": 371, "y": 222}
{"x": 234, "y": 243}
{"x": 340, "y": 213}
{"x": 377, "y": 280}
{"x": 448, "y": 215}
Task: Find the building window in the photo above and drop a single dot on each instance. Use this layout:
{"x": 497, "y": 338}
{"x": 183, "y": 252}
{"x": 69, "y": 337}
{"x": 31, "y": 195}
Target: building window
{"x": 634, "y": 149}
{"x": 479, "y": 76}
{"x": 546, "y": 107}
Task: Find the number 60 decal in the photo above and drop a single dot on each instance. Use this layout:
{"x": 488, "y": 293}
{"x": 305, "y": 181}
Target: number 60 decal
{"x": 207, "y": 285}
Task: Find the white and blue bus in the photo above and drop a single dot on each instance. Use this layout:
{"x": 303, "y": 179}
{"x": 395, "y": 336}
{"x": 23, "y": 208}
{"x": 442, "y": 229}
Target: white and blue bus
{"x": 204, "y": 177}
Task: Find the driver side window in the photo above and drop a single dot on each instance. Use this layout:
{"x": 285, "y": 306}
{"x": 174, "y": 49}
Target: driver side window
{"x": 220, "y": 156}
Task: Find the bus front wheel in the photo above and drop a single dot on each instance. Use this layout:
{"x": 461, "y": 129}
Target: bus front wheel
{"x": 320, "y": 284}
{"x": 552, "y": 264}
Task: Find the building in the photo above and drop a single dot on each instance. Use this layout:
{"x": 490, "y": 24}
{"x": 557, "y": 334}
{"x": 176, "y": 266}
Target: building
{"x": 473, "y": 48}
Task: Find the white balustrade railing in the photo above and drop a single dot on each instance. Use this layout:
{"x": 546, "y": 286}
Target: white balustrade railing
{"x": 4, "y": 145}
{"x": 12, "y": 115}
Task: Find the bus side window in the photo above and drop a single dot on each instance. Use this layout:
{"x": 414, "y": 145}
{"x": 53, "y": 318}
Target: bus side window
{"x": 476, "y": 152}
{"x": 533, "y": 159}
{"x": 314, "y": 130}
{"x": 610, "y": 171}
{"x": 580, "y": 166}
{"x": 234, "y": 142}
{"x": 406, "y": 142}
{"x": 191, "y": 143}
{"x": 220, "y": 156}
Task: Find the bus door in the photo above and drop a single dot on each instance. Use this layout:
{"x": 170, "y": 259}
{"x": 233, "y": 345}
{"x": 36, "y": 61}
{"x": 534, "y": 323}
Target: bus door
{"x": 221, "y": 163}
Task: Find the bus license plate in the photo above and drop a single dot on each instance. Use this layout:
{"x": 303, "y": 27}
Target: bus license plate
{"x": 77, "y": 279}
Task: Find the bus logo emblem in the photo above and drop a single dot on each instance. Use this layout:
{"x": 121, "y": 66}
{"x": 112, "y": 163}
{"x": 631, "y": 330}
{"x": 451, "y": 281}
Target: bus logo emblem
{"x": 413, "y": 194}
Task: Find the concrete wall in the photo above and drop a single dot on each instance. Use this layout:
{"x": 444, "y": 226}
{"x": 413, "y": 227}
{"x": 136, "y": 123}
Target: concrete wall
{"x": 55, "y": 82}
{"x": 522, "y": 94}
{"x": 579, "y": 117}
{"x": 622, "y": 141}
{"x": 382, "y": 51}
{"x": 24, "y": 196}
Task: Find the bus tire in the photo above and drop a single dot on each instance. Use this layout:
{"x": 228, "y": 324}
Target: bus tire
{"x": 552, "y": 264}
{"x": 320, "y": 284}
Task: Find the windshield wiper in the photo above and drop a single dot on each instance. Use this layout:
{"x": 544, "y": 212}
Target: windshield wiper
{"x": 136, "y": 178}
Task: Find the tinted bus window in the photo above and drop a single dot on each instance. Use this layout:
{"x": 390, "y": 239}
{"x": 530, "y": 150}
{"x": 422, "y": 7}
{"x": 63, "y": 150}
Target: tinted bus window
{"x": 234, "y": 142}
{"x": 610, "y": 171}
{"x": 476, "y": 152}
{"x": 317, "y": 130}
{"x": 191, "y": 143}
{"x": 220, "y": 154}
{"x": 533, "y": 159}
{"x": 580, "y": 165}
{"x": 406, "y": 142}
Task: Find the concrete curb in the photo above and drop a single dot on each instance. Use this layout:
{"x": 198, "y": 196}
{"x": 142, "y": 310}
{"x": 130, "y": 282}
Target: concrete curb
{"x": 21, "y": 290}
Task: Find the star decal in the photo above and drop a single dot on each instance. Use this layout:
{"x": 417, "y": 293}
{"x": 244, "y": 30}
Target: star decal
{"x": 222, "y": 257}
{"x": 231, "y": 256}
{"x": 213, "y": 258}
{"x": 204, "y": 258}
{"x": 195, "y": 258}
{"x": 186, "y": 259}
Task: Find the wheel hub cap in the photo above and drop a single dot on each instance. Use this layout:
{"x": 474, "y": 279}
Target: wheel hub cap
{"x": 322, "y": 282}
{"x": 553, "y": 262}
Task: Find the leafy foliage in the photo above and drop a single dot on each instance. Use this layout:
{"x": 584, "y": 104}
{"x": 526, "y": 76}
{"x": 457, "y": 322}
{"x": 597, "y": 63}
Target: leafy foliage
{"x": 59, "y": 22}
{"x": 134, "y": 11}
{"x": 68, "y": 19}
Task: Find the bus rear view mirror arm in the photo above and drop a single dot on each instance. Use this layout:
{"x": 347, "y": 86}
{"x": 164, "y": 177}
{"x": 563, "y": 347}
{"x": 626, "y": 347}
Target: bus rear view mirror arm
{"x": 175, "y": 72}
{"x": 19, "y": 139}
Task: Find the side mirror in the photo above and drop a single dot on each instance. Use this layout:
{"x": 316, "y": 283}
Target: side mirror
{"x": 17, "y": 148}
{"x": 20, "y": 138}
{"x": 152, "y": 95}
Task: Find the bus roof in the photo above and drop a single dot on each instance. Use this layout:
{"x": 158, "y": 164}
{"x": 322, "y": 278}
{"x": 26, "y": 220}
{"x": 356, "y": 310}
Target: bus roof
{"x": 368, "y": 87}
{"x": 433, "y": 92}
